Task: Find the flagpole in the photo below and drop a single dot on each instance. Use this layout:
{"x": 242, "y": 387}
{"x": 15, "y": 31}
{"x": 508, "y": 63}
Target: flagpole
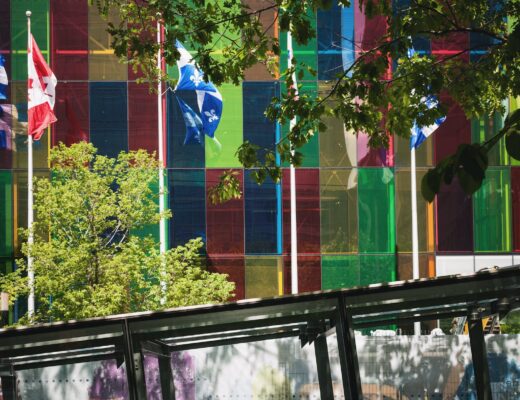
{"x": 415, "y": 236}
{"x": 30, "y": 215}
{"x": 294, "y": 238}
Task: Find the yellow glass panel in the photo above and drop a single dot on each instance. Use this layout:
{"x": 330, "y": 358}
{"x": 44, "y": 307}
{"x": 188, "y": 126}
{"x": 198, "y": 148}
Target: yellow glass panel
{"x": 264, "y": 276}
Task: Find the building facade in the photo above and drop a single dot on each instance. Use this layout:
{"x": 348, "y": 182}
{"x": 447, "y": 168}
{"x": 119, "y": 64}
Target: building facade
{"x": 353, "y": 203}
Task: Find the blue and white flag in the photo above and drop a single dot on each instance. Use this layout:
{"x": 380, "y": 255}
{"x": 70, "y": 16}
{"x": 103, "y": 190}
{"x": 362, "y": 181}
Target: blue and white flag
{"x": 419, "y": 134}
{"x": 3, "y": 80}
{"x": 194, "y": 127}
{"x": 209, "y": 100}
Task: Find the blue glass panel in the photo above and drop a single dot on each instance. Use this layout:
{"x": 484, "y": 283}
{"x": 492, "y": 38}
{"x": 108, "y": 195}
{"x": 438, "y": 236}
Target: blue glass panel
{"x": 108, "y": 117}
{"x": 191, "y": 155}
{"x": 188, "y": 205}
{"x": 330, "y": 41}
{"x": 260, "y": 216}
{"x": 257, "y": 128}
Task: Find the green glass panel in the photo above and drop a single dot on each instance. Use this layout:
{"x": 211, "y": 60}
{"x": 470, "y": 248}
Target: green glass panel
{"x": 103, "y": 65}
{"x": 339, "y": 223}
{"x": 483, "y": 129}
{"x": 423, "y": 155}
{"x": 340, "y": 272}
{"x": 221, "y": 153}
{"x": 403, "y": 212}
{"x": 304, "y": 53}
{"x": 39, "y": 29}
{"x": 6, "y": 214}
{"x": 492, "y": 212}
{"x": 377, "y": 269}
{"x": 376, "y": 211}
{"x": 310, "y": 151}
{"x": 264, "y": 276}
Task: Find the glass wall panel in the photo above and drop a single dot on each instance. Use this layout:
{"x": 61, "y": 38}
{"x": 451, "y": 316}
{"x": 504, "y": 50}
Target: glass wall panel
{"x": 456, "y": 129}
{"x": 225, "y": 222}
{"x": 514, "y": 104}
{"x": 484, "y": 128}
{"x": 423, "y": 155}
{"x": 403, "y": 213}
{"x": 69, "y": 39}
{"x": 257, "y": 128}
{"x": 369, "y": 157}
{"x": 188, "y": 204}
{"x": 492, "y": 212}
{"x": 6, "y": 214}
{"x": 221, "y": 153}
{"x": 340, "y": 272}
{"x": 307, "y": 211}
{"x": 152, "y": 229}
{"x": 232, "y": 266}
{"x": 376, "y": 208}
{"x": 259, "y": 72}
{"x": 264, "y": 276}
{"x": 405, "y": 266}
{"x": 39, "y": 29}
{"x": 454, "y": 219}
{"x": 72, "y": 111}
{"x": 142, "y": 118}
{"x": 7, "y": 144}
{"x": 309, "y": 274}
{"x": 515, "y": 194}
{"x": 451, "y": 44}
{"x": 182, "y": 155}
{"x": 377, "y": 268}
{"x": 5, "y": 44}
{"x": 19, "y": 127}
{"x": 339, "y": 219}
{"x": 261, "y": 219}
{"x": 108, "y": 117}
{"x": 329, "y": 33}
{"x": 103, "y": 65}
{"x": 452, "y": 265}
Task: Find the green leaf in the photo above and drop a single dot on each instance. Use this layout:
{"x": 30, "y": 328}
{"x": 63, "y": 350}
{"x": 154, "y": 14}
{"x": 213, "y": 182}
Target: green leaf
{"x": 513, "y": 143}
{"x": 430, "y": 185}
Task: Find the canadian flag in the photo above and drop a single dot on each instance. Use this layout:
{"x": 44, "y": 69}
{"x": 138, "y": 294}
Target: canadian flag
{"x": 41, "y": 92}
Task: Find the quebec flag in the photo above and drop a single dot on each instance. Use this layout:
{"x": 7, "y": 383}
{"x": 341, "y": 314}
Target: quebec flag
{"x": 3, "y": 80}
{"x": 419, "y": 134}
{"x": 192, "y": 121}
{"x": 209, "y": 100}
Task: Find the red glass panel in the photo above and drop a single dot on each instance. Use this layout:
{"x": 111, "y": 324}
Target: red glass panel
{"x": 225, "y": 222}
{"x": 234, "y": 267}
{"x": 309, "y": 274}
{"x": 69, "y": 39}
{"x": 456, "y": 129}
{"x": 142, "y": 118}
{"x": 515, "y": 193}
{"x": 307, "y": 210}
{"x": 454, "y": 219}
{"x": 451, "y": 45}
{"x": 72, "y": 111}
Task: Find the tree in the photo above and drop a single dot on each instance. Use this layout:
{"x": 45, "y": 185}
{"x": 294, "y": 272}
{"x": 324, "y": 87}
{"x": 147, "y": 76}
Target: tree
{"x": 88, "y": 261}
{"x": 382, "y": 91}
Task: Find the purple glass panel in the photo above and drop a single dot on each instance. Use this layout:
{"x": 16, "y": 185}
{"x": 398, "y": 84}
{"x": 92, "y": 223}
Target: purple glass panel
{"x": 224, "y": 222}
{"x": 309, "y": 274}
{"x": 234, "y": 267}
{"x": 515, "y": 193}
{"x": 69, "y": 39}
{"x": 5, "y": 41}
{"x": 454, "y": 219}
{"x": 307, "y": 211}
{"x": 6, "y": 136}
{"x": 72, "y": 111}
{"x": 142, "y": 118}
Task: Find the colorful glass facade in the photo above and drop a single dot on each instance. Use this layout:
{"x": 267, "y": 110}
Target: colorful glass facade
{"x": 353, "y": 203}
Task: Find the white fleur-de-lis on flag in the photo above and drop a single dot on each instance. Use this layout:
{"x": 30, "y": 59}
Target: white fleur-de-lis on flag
{"x": 196, "y": 78}
{"x": 211, "y": 115}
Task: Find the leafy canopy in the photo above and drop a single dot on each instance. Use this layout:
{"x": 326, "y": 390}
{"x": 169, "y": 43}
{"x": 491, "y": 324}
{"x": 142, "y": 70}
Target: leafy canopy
{"x": 380, "y": 92}
{"x": 88, "y": 261}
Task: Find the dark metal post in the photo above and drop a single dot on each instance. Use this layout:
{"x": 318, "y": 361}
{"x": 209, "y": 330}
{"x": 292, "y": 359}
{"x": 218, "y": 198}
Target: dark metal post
{"x": 166, "y": 376}
{"x": 134, "y": 367}
{"x": 8, "y": 377}
{"x": 479, "y": 356}
{"x": 347, "y": 352}
{"x": 322, "y": 362}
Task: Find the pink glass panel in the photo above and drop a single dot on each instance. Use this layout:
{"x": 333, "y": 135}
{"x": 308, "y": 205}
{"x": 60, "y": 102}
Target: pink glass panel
{"x": 142, "y": 118}
{"x": 309, "y": 274}
{"x": 234, "y": 267}
{"x": 72, "y": 111}
{"x": 515, "y": 193}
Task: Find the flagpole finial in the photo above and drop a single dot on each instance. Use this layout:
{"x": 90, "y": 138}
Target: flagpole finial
{"x": 28, "y": 13}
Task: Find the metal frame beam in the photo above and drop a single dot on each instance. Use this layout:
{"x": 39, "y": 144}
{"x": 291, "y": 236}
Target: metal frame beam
{"x": 166, "y": 378}
{"x": 323, "y": 365}
{"x": 479, "y": 357}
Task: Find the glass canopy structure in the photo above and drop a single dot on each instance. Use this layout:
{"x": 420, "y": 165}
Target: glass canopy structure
{"x": 311, "y": 317}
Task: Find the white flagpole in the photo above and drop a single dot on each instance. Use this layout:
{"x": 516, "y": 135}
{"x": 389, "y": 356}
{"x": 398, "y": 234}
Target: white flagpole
{"x": 30, "y": 215}
{"x": 162, "y": 223}
{"x": 294, "y": 240}
{"x": 415, "y": 237}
